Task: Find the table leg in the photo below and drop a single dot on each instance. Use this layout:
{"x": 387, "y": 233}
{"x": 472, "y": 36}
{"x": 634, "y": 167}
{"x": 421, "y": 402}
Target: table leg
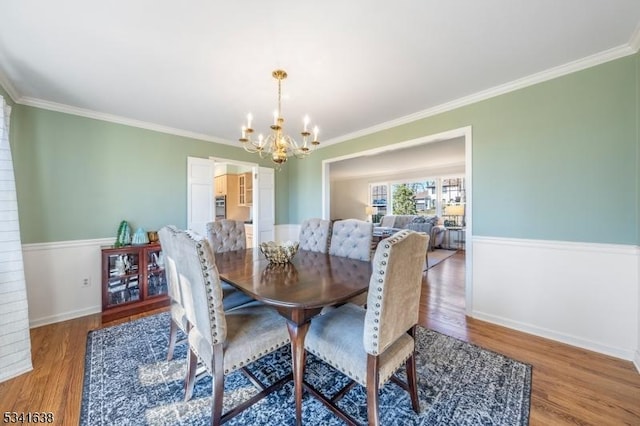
{"x": 297, "y": 333}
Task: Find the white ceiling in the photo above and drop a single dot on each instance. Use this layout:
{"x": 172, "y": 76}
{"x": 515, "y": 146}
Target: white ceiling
{"x": 199, "y": 67}
{"x": 428, "y": 159}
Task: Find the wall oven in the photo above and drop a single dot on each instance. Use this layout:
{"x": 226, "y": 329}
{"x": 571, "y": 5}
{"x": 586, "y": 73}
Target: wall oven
{"x": 221, "y": 207}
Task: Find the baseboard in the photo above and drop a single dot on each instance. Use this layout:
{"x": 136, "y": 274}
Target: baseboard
{"x": 558, "y": 337}
{"x": 64, "y": 316}
{"x": 636, "y": 360}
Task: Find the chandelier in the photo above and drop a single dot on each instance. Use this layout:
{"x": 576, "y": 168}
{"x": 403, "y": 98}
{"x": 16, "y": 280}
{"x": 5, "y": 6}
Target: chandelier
{"x": 278, "y": 145}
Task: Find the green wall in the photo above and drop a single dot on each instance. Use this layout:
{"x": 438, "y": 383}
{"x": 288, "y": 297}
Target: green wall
{"x": 77, "y": 177}
{"x": 553, "y": 161}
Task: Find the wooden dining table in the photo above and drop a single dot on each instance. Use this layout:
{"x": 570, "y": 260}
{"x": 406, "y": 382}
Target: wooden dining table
{"x": 298, "y": 290}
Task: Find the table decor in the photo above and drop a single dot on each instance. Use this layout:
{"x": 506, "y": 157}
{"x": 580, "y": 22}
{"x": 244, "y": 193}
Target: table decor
{"x": 279, "y": 252}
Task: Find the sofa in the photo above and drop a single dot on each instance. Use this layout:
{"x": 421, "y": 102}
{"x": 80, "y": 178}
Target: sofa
{"x": 430, "y": 225}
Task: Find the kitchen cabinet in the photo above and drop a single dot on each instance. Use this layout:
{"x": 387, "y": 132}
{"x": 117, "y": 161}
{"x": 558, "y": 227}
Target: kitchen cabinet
{"x": 220, "y": 185}
{"x": 245, "y": 189}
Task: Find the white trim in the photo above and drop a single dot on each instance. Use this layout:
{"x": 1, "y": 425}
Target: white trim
{"x": 634, "y": 41}
{"x": 468, "y": 181}
{"x": 636, "y": 360}
{"x": 65, "y": 316}
{"x": 8, "y": 87}
{"x": 83, "y": 112}
{"x": 68, "y": 244}
{"x": 572, "y": 246}
{"x": 550, "y": 74}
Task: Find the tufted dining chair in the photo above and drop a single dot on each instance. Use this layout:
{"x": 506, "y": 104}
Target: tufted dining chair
{"x": 370, "y": 345}
{"x": 221, "y": 341}
{"x": 352, "y": 238}
{"x": 178, "y": 314}
{"x": 228, "y": 235}
{"x": 315, "y": 235}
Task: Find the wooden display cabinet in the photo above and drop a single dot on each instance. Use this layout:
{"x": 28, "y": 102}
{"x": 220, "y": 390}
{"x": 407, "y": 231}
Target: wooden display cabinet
{"x": 133, "y": 280}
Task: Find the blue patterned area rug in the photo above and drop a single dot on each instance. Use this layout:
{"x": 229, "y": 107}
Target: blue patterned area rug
{"x": 128, "y": 381}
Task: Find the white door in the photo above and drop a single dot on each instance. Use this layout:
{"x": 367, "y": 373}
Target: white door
{"x": 265, "y": 208}
{"x": 199, "y": 193}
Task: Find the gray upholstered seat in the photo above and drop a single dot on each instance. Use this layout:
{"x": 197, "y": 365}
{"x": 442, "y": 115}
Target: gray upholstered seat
{"x": 178, "y": 314}
{"x": 222, "y": 341}
{"x": 315, "y": 235}
{"x": 228, "y": 235}
{"x": 370, "y": 345}
{"x": 351, "y": 238}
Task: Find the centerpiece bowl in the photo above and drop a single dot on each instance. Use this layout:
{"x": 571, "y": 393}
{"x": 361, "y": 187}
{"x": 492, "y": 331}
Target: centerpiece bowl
{"x": 279, "y": 252}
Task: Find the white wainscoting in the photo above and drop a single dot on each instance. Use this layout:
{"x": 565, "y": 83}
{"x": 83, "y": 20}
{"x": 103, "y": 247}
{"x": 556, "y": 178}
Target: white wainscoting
{"x": 582, "y": 294}
{"x": 585, "y": 295}
{"x": 287, "y": 232}
{"x": 54, "y": 273}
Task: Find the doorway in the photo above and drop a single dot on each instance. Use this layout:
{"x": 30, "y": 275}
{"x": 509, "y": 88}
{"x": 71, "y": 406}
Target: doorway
{"x": 220, "y": 188}
{"x": 465, "y": 134}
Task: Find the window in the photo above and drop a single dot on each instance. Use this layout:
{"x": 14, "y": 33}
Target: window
{"x": 427, "y": 197}
{"x": 378, "y": 200}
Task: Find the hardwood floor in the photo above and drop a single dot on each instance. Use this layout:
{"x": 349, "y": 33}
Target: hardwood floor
{"x": 571, "y": 386}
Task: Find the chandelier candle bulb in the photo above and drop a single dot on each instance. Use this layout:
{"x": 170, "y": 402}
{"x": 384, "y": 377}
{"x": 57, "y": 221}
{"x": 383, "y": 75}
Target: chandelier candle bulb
{"x": 249, "y": 118}
{"x": 306, "y": 123}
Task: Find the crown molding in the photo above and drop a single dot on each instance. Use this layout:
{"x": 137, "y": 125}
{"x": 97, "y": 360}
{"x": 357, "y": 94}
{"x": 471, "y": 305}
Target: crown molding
{"x": 8, "y": 87}
{"x": 550, "y": 74}
{"x": 634, "y": 41}
{"x": 82, "y": 112}
{"x": 599, "y": 58}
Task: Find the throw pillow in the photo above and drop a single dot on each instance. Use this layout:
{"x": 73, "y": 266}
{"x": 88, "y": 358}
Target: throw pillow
{"x": 419, "y": 219}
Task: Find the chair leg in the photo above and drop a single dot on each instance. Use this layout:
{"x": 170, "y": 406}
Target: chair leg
{"x": 411, "y": 375}
{"x": 217, "y": 385}
{"x": 190, "y": 380}
{"x": 173, "y": 335}
{"x": 373, "y": 383}
{"x": 412, "y": 382}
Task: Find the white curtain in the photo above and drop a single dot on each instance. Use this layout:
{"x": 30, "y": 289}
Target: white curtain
{"x": 15, "y": 343}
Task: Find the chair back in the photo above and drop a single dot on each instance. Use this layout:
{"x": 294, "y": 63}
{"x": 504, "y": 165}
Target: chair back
{"x": 226, "y": 235}
{"x": 315, "y": 235}
{"x": 351, "y": 238}
{"x": 200, "y": 286}
{"x": 394, "y": 289}
{"x": 166, "y": 235}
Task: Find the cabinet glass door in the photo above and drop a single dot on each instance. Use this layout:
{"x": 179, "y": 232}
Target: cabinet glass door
{"x": 156, "y": 277}
{"x": 123, "y": 284}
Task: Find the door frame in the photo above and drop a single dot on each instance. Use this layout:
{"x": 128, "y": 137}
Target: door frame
{"x": 255, "y": 168}
{"x": 467, "y": 134}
